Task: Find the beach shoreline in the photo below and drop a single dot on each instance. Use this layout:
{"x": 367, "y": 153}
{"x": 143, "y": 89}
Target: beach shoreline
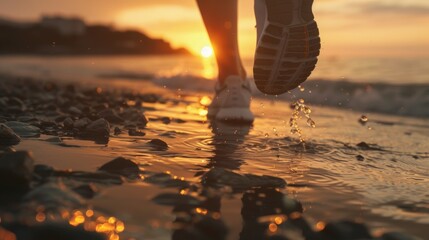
{"x": 319, "y": 174}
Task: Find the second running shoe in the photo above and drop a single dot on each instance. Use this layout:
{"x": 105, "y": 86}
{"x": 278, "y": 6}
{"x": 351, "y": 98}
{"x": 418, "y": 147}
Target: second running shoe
{"x": 288, "y": 44}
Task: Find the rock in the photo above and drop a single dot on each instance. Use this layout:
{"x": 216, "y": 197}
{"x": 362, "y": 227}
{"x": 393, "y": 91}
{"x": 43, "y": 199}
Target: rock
{"x": 53, "y": 197}
{"x": 166, "y": 180}
{"x": 23, "y": 129}
{"x": 68, "y": 123}
{"x": 81, "y": 123}
{"x": 51, "y": 231}
{"x": 396, "y": 236}
{"x": 27, "y": 119}
{"x": 346, "y": 230}
{"x": 366, "y": 146}
{"x": 75, "y": 111}
{"x": 99, "y": 129}
{"x": 7, "y": 136}
{"x": 360, "y": 158}
{"x": 212, "y": 228}
{"x": 48, "y": 124}
{"x": 43, "y": 170}
{"x": 158, "y": 144}
{"x": 111, "y": 116}
{"x": 219, "y": 177}
{"x": 15, "y": 105}
{"x": 135, "y": 133}
{"x": 121, "y": 166}
{"x": 165, "y": 120}
{"x": 87, "y": 191}
{"x": 175, "y": 199}
{"x": 178, "y": 120}
{"x": 203, "y": 228}
{"x": 135, "y": 116}
{"x": 158, "y": 178}
{"x": 16, "y": 170}
{"x": 117, "y": 131}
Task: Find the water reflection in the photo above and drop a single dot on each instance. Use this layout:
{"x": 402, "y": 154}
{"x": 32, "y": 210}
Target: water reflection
{"x": 264, "y": 209}
{"x": 209, "y": 70}
{"x": 226, "y": 140}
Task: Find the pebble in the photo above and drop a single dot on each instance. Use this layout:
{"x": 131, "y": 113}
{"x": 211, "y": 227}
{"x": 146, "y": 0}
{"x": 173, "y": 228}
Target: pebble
{"x": 75, "y": 111}
{"x": 87, "y": 191}
{"x": 346, "y": 230}
{"x": 158, "y": 144}
{"x": 24, "y": 130}
{"x": 68, "y": 123}
{"x": 366, "y": 146}
{"x": 219, "y": 177}
{"x": 81, "y": 123}
{"x": 117, "y": 131}
{"x": 203, "y": 228}
{"x": 97, "y": 129}
{"x": 53, "y": 196}
{"x": 7, "y": 136}
{"x": 121, "y": 166}
{"x": 175, "y": 199}
{"x": 16, "y": 169}
{"x": 135, "y": 133}
{"x": 165, "y": 120}
{"x": 166, "y": 180}
{"x": 43, "y": 170}
{"x": 111, "y": 116}
{"x": 135, "y": 116}
{"x": 360, "y": 158}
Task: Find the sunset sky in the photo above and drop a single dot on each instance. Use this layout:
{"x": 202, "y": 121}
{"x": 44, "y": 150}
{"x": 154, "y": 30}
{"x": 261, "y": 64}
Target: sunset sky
{"x": 348, "y": 27}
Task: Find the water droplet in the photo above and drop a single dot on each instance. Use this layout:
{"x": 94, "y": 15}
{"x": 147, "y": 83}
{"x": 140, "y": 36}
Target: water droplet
{"x": 302, "y": 89}
{"x": 311, "y": 123}
{"x": 363, "y": 120}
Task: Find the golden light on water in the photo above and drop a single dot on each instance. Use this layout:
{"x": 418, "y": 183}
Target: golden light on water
{"x": 207, "y": 52}
{"x": 320, "y": 226}
{"x": 40, "y": 217}
{"x": 205, "y": 101}
{"x": 273, "y": 227}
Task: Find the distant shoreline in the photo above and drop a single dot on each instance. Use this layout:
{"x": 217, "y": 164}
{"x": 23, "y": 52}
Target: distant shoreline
{"x": 93, "y": 54}
{"x": 60, "y": 36}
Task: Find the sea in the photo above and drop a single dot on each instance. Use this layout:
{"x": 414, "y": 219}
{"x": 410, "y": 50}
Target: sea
{"x": 391, "y": 85}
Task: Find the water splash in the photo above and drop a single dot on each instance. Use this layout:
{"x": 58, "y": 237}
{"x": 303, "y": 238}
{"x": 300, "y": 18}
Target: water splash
{"x": 300, "y": 109}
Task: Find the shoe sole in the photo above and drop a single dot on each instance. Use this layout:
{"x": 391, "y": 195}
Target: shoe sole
{"x": 288, "y": 48}
{"x": 235, "y": 115}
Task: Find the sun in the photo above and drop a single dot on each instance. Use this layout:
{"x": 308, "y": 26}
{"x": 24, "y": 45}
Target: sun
{"x": 206, "y": 52}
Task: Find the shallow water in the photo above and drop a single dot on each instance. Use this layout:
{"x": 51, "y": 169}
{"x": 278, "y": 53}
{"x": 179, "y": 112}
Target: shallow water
{"x": 383, "y": 182}
{"x": 387, "y": 189}
{"x": 397, "y": 86}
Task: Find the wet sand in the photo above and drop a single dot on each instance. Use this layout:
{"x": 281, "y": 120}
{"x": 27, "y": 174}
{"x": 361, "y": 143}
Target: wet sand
{"x": 374, "y": 172}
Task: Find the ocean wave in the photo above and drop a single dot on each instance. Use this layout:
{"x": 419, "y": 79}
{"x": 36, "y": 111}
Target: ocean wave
{"x": 405, "y": 100}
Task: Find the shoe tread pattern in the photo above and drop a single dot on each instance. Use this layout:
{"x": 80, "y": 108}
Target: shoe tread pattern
{"x": 286, "y": 54}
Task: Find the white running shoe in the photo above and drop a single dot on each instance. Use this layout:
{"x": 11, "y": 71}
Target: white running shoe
{"x": 231, "y": 102}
